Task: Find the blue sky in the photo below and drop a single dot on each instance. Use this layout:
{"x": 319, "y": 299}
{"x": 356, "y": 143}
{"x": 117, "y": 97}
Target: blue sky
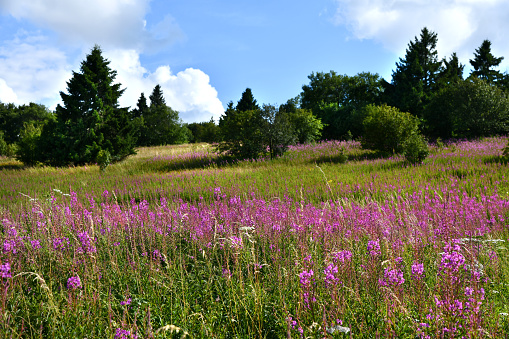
{"x": 205, "y": 53}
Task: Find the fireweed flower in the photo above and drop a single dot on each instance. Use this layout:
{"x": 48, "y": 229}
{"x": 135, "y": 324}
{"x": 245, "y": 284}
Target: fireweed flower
{"x": 417, "y": 271}
{"x": 10, "y": 246}
{"x": 392, "y": 277}
{"x": 451, "y": 263}
{"x": 73, "y": 283}
{"x": 35, "y": 244}
{"x": 374, "y": 247}
{"x": 126, "y": 302}
{"x": 306, "y": 277}
{"x": 61, "y": 244}
{"x": 236, "y": 242}
{"x": 330, "y": 275}
{"x": 124, "y": 334}
{"x": 469, "y": 291}
{"x": 86, "y": 243}
{"x": 342, "y": 256}
{"x": 5, "y": 270}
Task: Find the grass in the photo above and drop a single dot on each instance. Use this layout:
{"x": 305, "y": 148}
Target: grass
{"x": 327, "y": 241}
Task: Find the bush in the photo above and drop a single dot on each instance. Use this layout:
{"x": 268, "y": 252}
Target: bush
{"x": 103, "y": 159}
{"x": 386, "y": 128}
{"x": 28, "y": 151}
{"x": 3, "y": 144}
{"x": 415, "y": 149}
{"x": 471, "y": 108}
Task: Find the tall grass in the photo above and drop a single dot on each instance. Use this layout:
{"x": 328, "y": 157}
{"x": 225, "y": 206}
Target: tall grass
{"x": 186, "y": 245}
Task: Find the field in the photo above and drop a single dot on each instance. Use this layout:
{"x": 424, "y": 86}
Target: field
{"x": 329, "y": 241}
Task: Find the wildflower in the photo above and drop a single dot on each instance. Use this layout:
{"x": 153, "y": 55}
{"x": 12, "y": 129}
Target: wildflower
{"x": 342, "y": 256}
{"x": 5, "y": 270}
{"x": 236, "y": 242}
{"x": 226, "y": 273}
{"x": 86, "y": 243}
{"x": 61, "y": 244}
{"x": 124, "y": 334}
{"x": 73, "y": 283}
{"x": 451, "y": 262}
{"x": 305, "y": 277}
{"x": 35, "y": 244}
{"x": 417, "y": 270}
{"x": 10, "y": 246}
{"x": 469, "y": 291}
{"x": 330, "y": 274}
{"x": 392, "y": 277}
{"x": 374, "y": 247}
{"x": 126, "y": 302}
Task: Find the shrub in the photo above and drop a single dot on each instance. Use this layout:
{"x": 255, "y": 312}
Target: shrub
{"x": 415, "y": 149}
{"x": 386, "y": 128}
{"x": 3, "y": 144}
{"x": 470, "y": 108}
{"x": 28, "y": 151}
{"x": 103, "y": 159}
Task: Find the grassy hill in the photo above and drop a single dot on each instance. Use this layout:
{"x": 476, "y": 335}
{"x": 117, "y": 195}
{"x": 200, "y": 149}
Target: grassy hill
{"x": 327, "y": 241}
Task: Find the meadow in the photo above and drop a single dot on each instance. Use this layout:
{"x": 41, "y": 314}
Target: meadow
{"x": 328, "y": 241}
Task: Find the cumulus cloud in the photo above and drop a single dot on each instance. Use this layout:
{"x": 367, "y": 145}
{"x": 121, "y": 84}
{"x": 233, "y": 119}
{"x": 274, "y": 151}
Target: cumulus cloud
{"x": 118, "y": 23}
{"x": 188, "y": 91}
{"x": 35, "y": 67}
{"x": 30, "y": 70}
{"x": 461, "y": 25}
{"x": 7, "y": 95}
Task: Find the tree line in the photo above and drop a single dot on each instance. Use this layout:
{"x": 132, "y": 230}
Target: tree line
{"x": 426, "y": 98}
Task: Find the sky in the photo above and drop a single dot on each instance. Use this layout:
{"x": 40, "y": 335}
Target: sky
{"x": 205, "y": 53}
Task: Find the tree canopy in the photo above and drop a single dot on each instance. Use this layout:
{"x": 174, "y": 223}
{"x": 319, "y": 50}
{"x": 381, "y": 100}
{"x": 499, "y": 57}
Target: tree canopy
{"x": 90, "y": 119}
{"x": 484, "y": 62}
{"x": 415, "y": 79}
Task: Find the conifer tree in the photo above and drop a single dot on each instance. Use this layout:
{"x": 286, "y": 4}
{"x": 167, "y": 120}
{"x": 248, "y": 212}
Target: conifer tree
{"x": 90, "y": 119}
{"x": 138, "y": 116}
{"x": 415, "y": 78}
{"x": 247, "y": 102}
{"x": 451, "y": 71}
{"x": 163, "y": 124}
{"x": 483, "y": 64}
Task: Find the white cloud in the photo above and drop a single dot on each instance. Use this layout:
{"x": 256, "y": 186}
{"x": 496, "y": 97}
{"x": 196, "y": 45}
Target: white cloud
{"x": 7, "y": 95}
{"x": 461, "y": 25}
{"x": 188, "y": 91}
{"x": 115, "y": 23}
{"x": 32, "y": 71}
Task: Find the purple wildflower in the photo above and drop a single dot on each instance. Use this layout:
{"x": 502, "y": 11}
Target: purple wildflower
{"x": 374, "y": 247}
{"x": 342, "y": 256}
{"x": 5, "y": 270}
{"x": 306, "y": 277}
{"x": 126, "y": 302}
{"x": 330, "y": 274}
{"x": 86, "y": 243}
{"x": 73, "y": 283}
{"x": 392, "y": 277}
{"x": 417, "y": 270}
{"x": 10, "y": 246}
{"x": 236, "y": 242}
{"x": 35, "y": 244}
{"x": 124, "y": 334}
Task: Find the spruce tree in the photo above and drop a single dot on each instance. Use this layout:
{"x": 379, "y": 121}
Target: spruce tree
{"x": 162, "y": 123}
{"x": 138, "y": 116}
{"x": 415, "y": 78}
{"x": 247, "y": 102}
{"x": 451, "y": 71}
{"x": 90, "y": 119}
{"x": 483, "y": 64}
